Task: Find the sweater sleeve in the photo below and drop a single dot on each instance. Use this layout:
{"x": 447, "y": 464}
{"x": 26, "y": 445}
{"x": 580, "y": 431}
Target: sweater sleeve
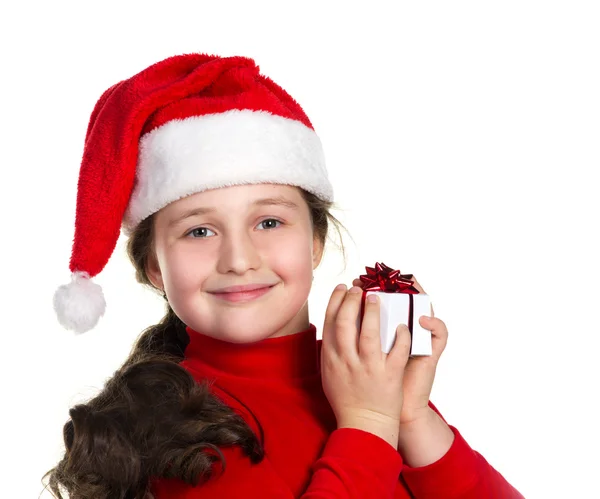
{"x": 354, "y": 464}
{"x": 462, "y": 473}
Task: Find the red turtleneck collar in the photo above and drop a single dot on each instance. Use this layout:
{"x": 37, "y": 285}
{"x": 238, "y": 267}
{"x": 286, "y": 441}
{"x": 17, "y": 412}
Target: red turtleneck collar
{"x": 292, "y": 356}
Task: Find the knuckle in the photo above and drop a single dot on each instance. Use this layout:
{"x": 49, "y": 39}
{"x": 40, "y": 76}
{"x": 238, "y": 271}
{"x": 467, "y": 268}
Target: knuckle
{"x": 329, "y": 363}
{"x": 368, "y": 337}
{"x": 369, "y": 329}
{"x": 403, "y": 340}
{"x": 343, "y": 322}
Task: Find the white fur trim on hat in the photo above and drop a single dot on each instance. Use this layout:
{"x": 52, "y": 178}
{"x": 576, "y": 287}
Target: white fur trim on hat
{"x": 183, "y": 157}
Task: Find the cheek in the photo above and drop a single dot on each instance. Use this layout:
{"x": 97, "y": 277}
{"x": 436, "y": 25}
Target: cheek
{"x": 183, "y": 271}
{"x": 292, "y": 259}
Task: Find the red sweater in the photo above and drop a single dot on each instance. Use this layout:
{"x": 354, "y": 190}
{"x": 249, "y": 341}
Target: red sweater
{"x": 278, "y": 381}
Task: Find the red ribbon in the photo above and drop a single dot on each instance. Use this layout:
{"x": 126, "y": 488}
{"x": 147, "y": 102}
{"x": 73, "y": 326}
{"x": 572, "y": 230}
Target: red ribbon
{"x": 385, "y": 279}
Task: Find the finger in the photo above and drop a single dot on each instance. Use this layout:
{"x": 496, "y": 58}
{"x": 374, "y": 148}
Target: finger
{"x": 346, "y": 332}
{"x": 439, "y": 333}
{"x": 335, "y": 301}
{"x": 358, "y": 282}
{"x": 369, "y": 340}
{"x": 400, "y": 351}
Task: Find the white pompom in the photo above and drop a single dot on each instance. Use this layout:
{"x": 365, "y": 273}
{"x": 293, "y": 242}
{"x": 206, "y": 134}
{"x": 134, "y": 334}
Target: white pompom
{"x": 79, "y": 304}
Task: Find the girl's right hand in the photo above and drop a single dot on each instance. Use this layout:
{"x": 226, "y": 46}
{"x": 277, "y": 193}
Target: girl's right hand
{"x": 362, "y": 384}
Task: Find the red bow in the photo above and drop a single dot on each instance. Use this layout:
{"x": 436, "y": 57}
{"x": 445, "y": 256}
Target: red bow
{"x": 383, "y": 278}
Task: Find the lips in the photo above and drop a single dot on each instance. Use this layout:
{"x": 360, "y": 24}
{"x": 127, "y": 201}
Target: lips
{"x": 243, "y": 293}
{"x": 242, "y": 288}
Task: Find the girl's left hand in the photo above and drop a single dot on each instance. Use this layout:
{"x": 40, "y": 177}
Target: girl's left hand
{"x": 420, "y": 371}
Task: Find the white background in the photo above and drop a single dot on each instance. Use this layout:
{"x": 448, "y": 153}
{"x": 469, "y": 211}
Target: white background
{"x": 462, "y": 139}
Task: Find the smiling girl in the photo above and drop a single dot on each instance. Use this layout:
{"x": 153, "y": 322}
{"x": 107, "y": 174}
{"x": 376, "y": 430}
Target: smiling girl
{"x": 218, "y": 178}
{"x": 229, "y": 258}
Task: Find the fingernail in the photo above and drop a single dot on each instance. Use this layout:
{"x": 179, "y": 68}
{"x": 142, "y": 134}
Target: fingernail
{"x": 339, "y": 287}
{"x": 355, "y": 289}
{"x": 372, "y": 298}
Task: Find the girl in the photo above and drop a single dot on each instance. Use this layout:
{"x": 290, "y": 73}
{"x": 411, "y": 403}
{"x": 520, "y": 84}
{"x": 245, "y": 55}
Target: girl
{"x": 218, "y": 178}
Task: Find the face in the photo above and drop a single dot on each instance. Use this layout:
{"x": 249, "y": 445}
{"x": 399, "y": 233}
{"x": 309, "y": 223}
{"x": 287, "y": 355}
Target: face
{"x": 212, "y": 248}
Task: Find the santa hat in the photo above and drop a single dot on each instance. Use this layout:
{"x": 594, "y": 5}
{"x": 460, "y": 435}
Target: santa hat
{"x": 186, "y": 124}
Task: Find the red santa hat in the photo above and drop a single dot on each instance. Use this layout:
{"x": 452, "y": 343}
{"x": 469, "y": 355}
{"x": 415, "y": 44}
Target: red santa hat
{"x": 186, "y": 124}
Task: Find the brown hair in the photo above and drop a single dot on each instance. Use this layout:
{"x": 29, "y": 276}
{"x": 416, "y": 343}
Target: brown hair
{"x": 114, "y": 445}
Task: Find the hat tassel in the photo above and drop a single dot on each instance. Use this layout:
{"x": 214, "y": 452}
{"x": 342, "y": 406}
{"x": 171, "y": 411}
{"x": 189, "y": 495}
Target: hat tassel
{"x": 79, "y": 304}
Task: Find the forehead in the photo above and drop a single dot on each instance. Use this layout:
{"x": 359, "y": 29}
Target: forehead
{"x": 235, "y": 198}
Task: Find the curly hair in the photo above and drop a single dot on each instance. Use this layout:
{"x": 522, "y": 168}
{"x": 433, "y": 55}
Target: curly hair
{"x": 152, "y": 419}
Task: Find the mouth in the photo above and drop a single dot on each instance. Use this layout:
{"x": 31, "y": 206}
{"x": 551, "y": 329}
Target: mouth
{"x": 244, "y": 293}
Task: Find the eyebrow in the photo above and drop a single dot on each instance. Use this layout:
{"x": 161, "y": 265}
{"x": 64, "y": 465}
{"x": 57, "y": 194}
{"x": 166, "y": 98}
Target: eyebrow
{"x": 273, "y": 201}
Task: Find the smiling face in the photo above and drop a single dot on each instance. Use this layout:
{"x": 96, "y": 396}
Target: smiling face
{"x": 210, "y": 244}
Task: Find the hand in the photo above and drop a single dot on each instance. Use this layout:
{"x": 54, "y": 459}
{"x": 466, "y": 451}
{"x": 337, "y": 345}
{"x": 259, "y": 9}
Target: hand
{"x": 420, "y": 371}
{"x": 362, "y": 384}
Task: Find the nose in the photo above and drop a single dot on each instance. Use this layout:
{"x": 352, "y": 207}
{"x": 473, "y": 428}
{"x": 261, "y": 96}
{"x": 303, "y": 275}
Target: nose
{"x": 238, "y": 253}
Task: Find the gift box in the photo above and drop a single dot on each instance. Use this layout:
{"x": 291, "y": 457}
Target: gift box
{"x": 400, "y": 303}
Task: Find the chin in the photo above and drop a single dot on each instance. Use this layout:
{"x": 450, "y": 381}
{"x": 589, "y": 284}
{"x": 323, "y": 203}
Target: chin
{"x": 236, "y": 330}
{"x": 244, "y": 324}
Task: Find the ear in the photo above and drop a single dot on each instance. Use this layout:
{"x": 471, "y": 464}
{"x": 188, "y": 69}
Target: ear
{"x": 153, "y": 272}
{"x": 317, "y": 252}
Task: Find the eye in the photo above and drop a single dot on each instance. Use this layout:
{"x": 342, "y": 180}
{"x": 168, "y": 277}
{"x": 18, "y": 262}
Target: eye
{"x": 199, "y": 233}
{"x": 269, "y": 223}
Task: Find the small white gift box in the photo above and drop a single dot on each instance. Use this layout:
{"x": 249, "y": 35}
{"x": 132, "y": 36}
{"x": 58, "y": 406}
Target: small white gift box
{"x": 394, "y": 309}
{"x": 400, "y": 303}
